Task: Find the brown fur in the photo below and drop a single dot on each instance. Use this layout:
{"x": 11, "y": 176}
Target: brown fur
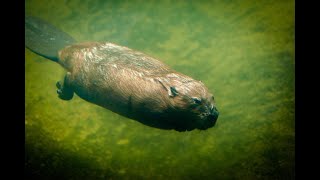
{"x": 136, "y": 85}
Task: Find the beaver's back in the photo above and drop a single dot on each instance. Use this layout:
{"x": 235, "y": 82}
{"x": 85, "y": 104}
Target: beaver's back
{"x": 95, "y": 53}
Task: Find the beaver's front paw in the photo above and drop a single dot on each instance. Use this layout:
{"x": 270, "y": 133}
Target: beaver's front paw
{"x": 64, "y": 93}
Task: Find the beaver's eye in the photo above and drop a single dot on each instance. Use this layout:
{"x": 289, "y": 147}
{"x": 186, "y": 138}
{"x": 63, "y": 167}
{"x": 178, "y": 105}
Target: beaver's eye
{"x": 196, "y": 100}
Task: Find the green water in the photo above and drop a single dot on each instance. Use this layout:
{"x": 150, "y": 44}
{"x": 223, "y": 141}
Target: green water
{"x": 242, "y": 50}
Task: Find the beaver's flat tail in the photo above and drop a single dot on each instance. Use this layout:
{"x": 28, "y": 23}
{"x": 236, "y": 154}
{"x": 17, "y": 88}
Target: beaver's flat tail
{"x": 45, "y": 39}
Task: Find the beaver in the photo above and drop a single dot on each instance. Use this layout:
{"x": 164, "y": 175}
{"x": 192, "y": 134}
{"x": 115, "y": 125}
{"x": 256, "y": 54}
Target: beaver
{"x": 123, "y": 80}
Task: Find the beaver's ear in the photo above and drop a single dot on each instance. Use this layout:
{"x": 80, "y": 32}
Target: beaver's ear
{"x": 173, "y": 92}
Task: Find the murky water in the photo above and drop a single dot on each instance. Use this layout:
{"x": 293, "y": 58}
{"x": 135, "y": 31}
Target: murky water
{"x": 242, "y": 50}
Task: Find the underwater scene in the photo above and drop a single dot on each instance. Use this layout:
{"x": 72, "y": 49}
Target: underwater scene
{"x": 242, "y": 50}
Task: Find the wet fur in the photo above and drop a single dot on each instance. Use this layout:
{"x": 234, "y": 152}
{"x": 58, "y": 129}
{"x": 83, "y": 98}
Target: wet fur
{"x": 135, "y": 85}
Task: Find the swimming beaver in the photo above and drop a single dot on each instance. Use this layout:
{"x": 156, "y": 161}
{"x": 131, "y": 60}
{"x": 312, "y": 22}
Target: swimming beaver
{"x": 124, "y": 81}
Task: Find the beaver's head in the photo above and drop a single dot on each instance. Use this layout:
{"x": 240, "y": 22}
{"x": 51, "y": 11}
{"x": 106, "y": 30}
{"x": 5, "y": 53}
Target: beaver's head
{"x": 192, "y": 99}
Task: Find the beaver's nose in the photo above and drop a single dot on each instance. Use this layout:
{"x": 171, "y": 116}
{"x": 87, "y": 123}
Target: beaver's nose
{"x": 213, "y": 116}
